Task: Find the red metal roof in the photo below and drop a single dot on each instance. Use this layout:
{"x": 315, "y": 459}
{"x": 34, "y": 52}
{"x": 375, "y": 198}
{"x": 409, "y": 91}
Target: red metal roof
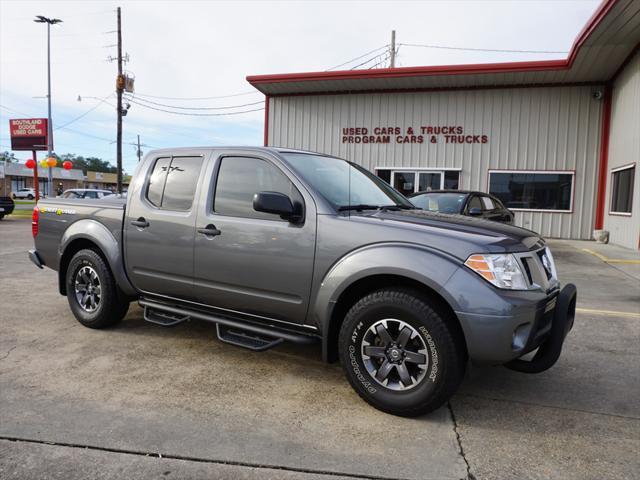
{"x": 603, "y": 45}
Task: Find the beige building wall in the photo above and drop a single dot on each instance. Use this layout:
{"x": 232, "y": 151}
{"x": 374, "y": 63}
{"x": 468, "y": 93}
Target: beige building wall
{"x": 624, "y": 149}
{"x": 546, "y": 128}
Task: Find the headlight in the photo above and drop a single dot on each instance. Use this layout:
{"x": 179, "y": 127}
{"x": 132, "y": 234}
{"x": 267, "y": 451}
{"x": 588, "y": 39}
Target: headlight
{"x": 502, "y": 270}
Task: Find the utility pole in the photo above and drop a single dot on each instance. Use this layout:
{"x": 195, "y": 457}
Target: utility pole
{"x": 139, "y": 151}
{"x": 393, "y": 49}
{"x": 119, "y": 90}
{"x": 49, "y": 22}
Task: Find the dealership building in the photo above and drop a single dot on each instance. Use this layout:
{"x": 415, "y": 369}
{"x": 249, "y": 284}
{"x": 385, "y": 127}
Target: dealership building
{"x": 558, "y": 141}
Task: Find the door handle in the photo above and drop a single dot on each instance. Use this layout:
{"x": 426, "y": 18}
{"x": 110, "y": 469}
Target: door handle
{"x": 140, "y": 223}
{"x": 210, "y": 230}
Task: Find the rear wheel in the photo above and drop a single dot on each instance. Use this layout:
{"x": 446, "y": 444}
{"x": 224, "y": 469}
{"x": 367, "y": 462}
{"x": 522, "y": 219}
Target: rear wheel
{"x": 399, "y": 353}
{"x": 30, "y": 197}
{"x": 93, "y": 295}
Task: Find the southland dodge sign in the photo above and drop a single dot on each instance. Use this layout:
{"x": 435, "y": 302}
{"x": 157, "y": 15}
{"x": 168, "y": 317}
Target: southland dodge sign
{"x": 29, "y": 134}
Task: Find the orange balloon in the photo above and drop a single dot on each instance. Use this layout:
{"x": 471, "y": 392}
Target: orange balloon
{"x": 52, "y": 162}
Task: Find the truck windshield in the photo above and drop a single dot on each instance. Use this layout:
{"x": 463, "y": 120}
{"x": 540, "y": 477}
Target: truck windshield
{"x": 345, "y": 185}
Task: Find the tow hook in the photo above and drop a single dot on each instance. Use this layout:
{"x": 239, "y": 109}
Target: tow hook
{"x": 549, "y": 352}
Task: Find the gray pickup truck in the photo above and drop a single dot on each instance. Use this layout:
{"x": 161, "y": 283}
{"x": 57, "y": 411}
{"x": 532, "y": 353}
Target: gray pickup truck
{"x": 274, "y": 245}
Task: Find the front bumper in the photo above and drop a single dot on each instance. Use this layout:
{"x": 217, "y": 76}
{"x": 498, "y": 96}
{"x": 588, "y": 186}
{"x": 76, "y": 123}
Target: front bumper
{"x": 550, "y": 346}
{"x": 506, "y": 325}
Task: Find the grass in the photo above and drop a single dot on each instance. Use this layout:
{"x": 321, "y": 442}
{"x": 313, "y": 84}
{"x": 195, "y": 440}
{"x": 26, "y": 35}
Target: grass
{"x": 24, "y": 202}
{"x": 21, "y": 214}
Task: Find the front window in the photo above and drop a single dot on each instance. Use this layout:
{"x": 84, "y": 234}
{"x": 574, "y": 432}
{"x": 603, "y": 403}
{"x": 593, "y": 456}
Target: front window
{"x": 440, "y": 202}
{"x": 240, "y": 178}
{"x": 344, "y": 184}
{"x": 518, "y": 190}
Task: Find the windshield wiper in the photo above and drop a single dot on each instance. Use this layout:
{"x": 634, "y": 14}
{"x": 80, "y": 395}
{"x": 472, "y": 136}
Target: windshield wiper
{"x": 358, "y": 206}
{"x": 364, "y": 206}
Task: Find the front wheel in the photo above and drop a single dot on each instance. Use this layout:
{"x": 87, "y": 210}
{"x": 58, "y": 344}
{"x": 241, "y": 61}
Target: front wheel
{"x": 399, "y": 353}
{"x": 93, "y": 295}
{"x": 30, "y": 197}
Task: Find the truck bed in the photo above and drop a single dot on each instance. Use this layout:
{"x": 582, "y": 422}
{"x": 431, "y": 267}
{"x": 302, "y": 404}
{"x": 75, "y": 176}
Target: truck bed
{"x": 56, "y": 215}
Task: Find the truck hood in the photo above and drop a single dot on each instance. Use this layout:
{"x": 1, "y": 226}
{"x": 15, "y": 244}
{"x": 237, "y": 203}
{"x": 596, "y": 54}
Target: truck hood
{"x": 478, "y": 234}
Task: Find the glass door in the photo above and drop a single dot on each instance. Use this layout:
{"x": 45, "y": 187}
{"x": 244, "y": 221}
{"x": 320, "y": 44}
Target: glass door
{"x": 404, "y": 182}
{"x": 429, "y": 181}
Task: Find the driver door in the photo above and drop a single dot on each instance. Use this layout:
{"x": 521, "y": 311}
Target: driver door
{"x": 257, "y": 264}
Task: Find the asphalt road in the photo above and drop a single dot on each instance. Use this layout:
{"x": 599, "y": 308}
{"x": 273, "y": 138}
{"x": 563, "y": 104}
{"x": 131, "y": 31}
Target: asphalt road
{"x": 140, "y": 401}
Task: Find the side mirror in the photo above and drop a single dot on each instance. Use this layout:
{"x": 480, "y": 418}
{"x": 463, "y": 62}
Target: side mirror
{"x": 276, "y": 203}
{"x": 475, "y": 211}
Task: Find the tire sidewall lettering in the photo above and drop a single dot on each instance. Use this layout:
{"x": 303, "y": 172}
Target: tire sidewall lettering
{"x": 363, "y": 376}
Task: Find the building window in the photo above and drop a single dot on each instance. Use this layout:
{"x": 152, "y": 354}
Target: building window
{"x": 408, "y": 181}
{"x": 533, "y": 190}
{"x": 622, "y": 189}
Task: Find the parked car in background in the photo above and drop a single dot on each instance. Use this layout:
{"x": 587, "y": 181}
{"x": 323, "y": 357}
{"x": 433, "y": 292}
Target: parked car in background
{"x": 6, "y": 206}
{"x": 461, "y": 202}
{"x": 28, "y": 193}
{"x": 85, "y": 193}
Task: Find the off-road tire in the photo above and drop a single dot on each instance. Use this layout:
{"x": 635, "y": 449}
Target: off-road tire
{"x": 112, "y": 305}
{"x": 445, "y": 353}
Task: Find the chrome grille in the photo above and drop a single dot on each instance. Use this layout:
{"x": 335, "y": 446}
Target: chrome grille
{"x": 539, "y": 268}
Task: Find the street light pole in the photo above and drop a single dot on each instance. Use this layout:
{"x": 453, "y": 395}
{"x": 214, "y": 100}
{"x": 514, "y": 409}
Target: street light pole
{"x": 49, "y": 22}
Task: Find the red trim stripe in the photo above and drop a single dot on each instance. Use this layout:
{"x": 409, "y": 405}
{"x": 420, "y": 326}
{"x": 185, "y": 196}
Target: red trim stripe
{"x": 266, "y": 120}
{"x": 604, "y": 158}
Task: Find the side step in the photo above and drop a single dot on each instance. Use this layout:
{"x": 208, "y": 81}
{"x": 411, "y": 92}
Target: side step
{"x": 230, "y": 330}
{"x": 165, "y": 319}
{"x": 242, "y": 338}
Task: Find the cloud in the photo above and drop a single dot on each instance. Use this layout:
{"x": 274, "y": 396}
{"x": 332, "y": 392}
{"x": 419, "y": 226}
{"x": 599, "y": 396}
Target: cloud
{"x": 187, "y": 49}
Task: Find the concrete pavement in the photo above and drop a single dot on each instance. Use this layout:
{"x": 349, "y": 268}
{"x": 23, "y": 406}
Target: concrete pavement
{"x": 107, "y": 400}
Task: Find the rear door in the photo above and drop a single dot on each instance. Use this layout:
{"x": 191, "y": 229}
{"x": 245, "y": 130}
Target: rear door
{"x": 160, "y": 226}
{"x": 258, "y": 264}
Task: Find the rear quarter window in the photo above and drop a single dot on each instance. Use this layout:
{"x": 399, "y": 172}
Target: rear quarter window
{"x": 173, "y": 181}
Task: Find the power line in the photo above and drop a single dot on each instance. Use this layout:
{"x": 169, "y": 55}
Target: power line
{"x": 252, "y": 92}
{"x": 104, "y": 100}
{"x": 380, "y": 62}
{"x": 195, "y": 114}
{"x": 471, "y": 49}
{"x": 194, "y": 108}
{"x": 358, "y": 58}
{"x": 366, "y": 61}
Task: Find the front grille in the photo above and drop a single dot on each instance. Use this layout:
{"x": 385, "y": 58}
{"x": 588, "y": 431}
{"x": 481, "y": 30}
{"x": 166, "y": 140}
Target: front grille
{"x": 539, "y": 268}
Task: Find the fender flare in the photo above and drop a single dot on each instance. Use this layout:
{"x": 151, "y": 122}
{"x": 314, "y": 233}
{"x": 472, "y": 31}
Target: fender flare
{"x": 105, "y": 240}
{"x": 419, "y": 263}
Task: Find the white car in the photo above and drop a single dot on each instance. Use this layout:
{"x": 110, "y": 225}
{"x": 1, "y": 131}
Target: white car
{"x": 29, "y": 193}
{"x": 85, "y": 193}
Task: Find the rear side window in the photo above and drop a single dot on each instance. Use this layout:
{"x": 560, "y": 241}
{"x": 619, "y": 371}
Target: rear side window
{"x": 156, "y": 182}
{"x": 173, "y": 182}
{"x": 240, "y": 178}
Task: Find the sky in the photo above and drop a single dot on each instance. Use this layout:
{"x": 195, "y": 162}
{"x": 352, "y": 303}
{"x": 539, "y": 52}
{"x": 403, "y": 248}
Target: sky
{"x": 182, "y": 51}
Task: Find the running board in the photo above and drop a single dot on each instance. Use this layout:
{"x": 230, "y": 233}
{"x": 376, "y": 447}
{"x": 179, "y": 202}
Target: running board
{"x": 242, "y": 338}
{"x": 163, "y": 319}
{"x": 231, "y": 330}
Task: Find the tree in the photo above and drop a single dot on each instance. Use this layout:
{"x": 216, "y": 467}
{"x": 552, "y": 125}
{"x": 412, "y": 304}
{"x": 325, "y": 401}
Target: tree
{"x": 8, "y": 157}
{"x": 89, "y": 163}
